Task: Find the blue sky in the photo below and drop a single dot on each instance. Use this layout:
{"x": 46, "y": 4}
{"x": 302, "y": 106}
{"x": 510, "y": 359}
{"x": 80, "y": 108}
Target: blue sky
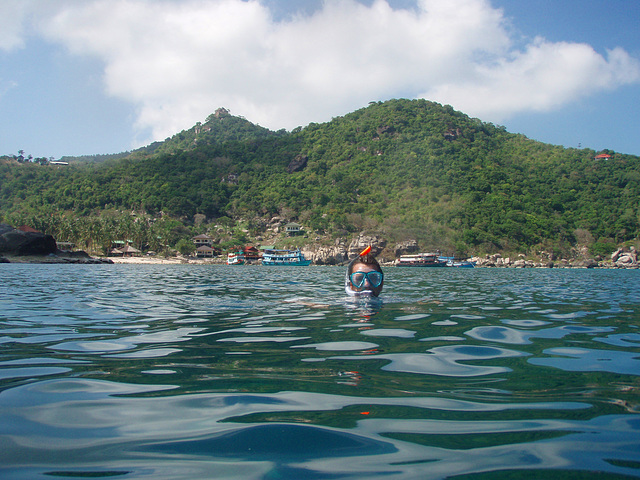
{"x": 103, "y": 76}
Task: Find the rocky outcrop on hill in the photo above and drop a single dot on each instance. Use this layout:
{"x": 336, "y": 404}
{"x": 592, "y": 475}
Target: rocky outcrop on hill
{"x": 453, "y": 133}
{"x": 21, "y": 243}
{"x": 298, "y": 163}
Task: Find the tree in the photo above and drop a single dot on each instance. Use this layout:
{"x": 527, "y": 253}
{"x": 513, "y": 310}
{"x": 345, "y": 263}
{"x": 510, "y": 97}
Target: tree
{"x": 408, "y": 167}
{"x": 185, "y": 247}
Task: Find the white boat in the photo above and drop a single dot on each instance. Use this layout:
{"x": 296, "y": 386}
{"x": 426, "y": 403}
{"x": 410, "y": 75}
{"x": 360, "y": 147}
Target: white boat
{"x": 235, "y": 258}
{"x": 461, "y": 264}
{"x": 420, "y": 260}
{"x": 284, "y": 258}
{"x": 458, "y": 263}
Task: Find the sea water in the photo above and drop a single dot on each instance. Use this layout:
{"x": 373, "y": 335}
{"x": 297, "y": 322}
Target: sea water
{"x": 253, "y": 372}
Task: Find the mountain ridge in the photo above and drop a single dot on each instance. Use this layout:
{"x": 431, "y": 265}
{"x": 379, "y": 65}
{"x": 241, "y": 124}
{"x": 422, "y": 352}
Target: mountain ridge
{"x": 408, "y": 169}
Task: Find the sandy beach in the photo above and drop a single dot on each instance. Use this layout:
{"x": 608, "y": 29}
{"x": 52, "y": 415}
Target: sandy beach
{"x": 167, "y": 260}
{"x": 148, "y": 260}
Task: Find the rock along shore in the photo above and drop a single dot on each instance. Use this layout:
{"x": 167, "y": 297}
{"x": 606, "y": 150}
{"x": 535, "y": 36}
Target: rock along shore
{"x": 30, "y": 246}
{"x": 20, "y": 246}
{"x": 621, "y": 258}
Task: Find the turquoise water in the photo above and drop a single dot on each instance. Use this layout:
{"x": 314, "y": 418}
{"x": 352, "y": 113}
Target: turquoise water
{"x": 199, "y": 372}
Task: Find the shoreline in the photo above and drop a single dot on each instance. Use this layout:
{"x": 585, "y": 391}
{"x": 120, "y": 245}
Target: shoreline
{"x": 88, "y": 260}
{"x": 69, "y": 260}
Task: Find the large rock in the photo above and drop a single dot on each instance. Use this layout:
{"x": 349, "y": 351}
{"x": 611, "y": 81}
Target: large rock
{"x": 362, "y": 241}
{"x": 339, "y": 253}
{"x": 17, "y": 242}
{"x": 326, "y": 255}
{"x": 625, "y": 257}
{"x": 586, "y": 263}
{"x": 615, "y": 255}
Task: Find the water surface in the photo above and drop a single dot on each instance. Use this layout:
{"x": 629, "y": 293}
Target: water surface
{"x": 189, "y": 372}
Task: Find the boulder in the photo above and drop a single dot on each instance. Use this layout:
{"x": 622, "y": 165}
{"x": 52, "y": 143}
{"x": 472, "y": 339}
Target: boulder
{"x": 362, "y": 241}
{"x": 587, "y": 263}
{"x": 339, "y": 253}
{"x": 625, "y": 259}
{"x": 327, "y": 255}
{"x": 615, "y": 255}
{"x": 17, "y": 242}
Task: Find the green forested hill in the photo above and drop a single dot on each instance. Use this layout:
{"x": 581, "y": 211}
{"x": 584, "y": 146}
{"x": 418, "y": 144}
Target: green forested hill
{"x": 406, "y": 169}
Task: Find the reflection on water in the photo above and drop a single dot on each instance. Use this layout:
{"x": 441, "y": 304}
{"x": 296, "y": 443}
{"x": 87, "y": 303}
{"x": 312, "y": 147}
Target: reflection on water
{"x": 253, "y": 372}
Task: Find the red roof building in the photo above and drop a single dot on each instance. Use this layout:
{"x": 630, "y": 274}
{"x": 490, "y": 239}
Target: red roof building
{"x": 251, "y": 253}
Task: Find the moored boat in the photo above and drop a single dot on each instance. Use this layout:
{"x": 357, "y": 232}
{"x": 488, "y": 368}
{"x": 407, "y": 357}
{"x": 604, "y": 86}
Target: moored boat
{"x": 420, "y": 260}
{"x": 458, "y": 263}
{"x": 235, "y": 258}
{"x": 284, "y": 258}
{"x": 461, "y": 263}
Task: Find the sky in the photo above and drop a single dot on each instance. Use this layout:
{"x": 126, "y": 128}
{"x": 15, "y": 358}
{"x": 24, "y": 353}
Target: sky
{"x": 82, "y": 77}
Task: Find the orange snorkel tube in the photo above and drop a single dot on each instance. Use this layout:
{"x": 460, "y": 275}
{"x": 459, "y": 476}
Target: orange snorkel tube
{"x": 365, "y": 251}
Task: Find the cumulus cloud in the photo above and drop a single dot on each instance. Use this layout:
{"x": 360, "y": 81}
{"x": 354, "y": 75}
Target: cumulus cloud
{"x": 177, "y": 61}
{"x": 13, "y": 15}
{"x": 544, "y": 77}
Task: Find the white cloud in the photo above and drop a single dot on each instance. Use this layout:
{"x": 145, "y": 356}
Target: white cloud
{"x": 543, "y": 78}
{"x": 177, "y": 61}
{"x": 13, "y": 14}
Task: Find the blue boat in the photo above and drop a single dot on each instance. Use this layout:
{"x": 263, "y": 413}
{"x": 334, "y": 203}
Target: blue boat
{"x": 285, "y": 258}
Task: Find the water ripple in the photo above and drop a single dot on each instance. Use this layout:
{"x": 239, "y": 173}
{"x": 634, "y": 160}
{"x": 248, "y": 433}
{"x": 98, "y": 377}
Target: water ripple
{"x": 187, "y": 371}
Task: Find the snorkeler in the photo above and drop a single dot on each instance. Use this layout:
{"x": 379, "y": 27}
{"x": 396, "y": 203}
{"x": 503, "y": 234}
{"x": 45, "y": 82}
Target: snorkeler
{"x": 364, "y": 275}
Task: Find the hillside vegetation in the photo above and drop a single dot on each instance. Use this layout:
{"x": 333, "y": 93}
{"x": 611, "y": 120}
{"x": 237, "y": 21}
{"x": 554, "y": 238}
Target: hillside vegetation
{"x": 403, "y": 169}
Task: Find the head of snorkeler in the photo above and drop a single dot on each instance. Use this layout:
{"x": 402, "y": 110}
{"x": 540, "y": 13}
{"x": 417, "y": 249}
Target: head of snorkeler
{"x": 364, "y": 275}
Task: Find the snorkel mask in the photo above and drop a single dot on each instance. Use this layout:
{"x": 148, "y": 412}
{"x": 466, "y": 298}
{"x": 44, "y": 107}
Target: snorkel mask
{"x": 373, "y": 280}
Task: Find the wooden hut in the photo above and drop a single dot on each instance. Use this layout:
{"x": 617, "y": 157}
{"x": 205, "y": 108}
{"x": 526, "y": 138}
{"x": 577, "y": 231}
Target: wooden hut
{"x": 129, "y": 250}
{"x": 204, "y": 251}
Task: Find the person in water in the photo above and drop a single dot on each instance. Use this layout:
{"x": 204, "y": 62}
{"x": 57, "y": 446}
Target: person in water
{"x": 364, "y": 275}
